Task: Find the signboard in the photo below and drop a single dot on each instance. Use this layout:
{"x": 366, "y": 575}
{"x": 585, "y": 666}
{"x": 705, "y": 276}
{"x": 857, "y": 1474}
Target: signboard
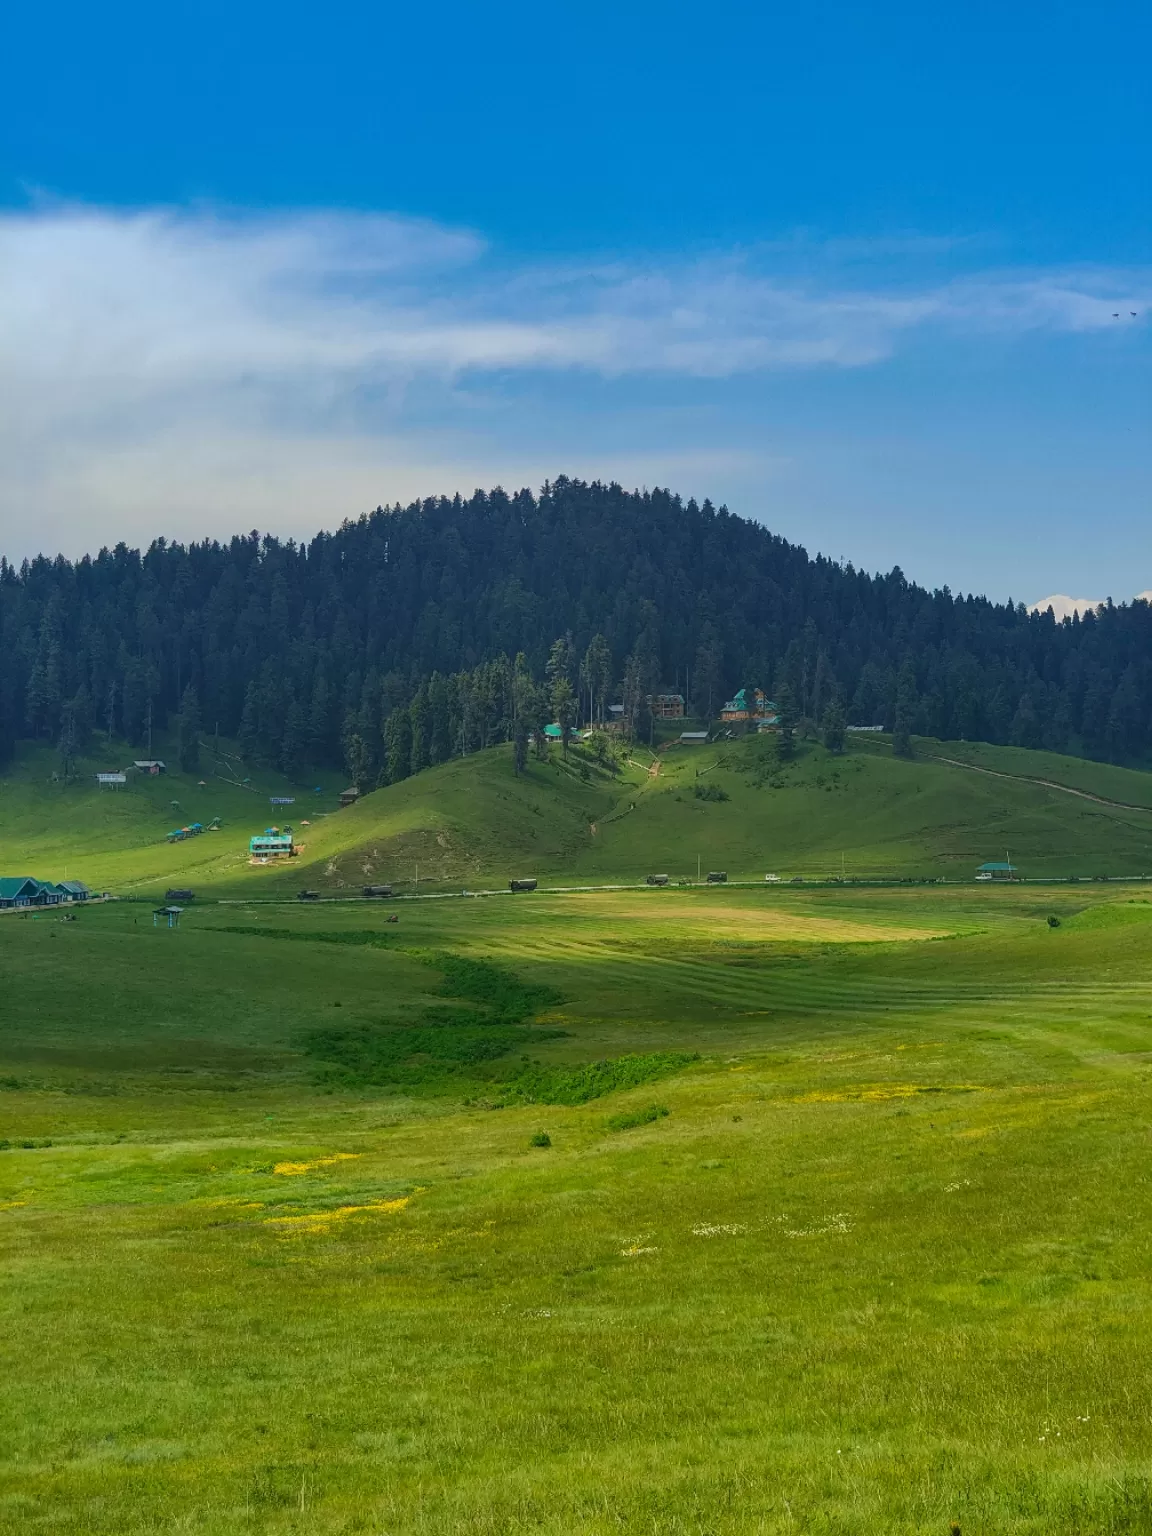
{"x": 111, "y": 778}
{"x": 281, "y": 799}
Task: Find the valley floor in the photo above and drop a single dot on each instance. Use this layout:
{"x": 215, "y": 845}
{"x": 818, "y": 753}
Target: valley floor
{"x": 312, "y": 1222}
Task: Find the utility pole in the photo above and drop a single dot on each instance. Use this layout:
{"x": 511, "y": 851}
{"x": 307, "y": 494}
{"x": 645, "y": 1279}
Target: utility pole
{"x": 697, "y": 869}
{"x": 149, "y": 727}
{"x": 417, "y": 879}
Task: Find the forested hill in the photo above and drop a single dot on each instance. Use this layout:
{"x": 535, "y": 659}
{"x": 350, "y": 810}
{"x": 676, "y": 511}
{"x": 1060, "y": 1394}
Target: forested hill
{"x": 416, "y": 614}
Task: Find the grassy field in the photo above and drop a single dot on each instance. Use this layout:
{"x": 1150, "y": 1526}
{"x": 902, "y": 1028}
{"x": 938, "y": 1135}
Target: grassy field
{"x": 849, "y": 1232}
{"x": 472, "y": 823}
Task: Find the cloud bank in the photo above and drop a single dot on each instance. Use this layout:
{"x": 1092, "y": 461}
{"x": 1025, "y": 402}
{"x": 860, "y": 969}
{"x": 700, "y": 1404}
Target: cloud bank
{"x": 157, "y": 362}
{"x": 1065, "y": 607}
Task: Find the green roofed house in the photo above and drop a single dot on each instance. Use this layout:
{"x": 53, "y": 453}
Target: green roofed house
{"x": 996, "y": 870}
{"x": 27, "y": 891}
{"x": 749, "y": 704}
{"x": 18, "y": 890}
{"x": 271, "y": 844}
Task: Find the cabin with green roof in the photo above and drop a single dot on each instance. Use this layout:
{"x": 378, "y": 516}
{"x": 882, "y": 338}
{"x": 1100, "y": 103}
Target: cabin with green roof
{"x": 27, "y": 891}
{"x": 997, "y": 869}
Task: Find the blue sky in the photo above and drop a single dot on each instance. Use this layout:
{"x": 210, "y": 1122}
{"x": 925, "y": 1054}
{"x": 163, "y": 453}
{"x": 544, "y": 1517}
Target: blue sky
{"x": 852, "y": 269}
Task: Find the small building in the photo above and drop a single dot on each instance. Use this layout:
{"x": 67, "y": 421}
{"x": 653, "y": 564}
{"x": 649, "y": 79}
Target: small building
{"x": 151, "y": 765}
{"x": 271, "y": 844}
{"x": 667, "y": 706}
{"x": 997, "y": 870}
{"x": 747, "y": 705}
{"x": 18, "y": 891}
{"x": 26, "y": 891}
{"x": 169, "y": 915}
{"x": 693, "y": 738}
{"x": 117, "y": 777}
{"x": 768, "y": 723}
{"x": 553, "y": 733}
{"x": 349, "y": 796}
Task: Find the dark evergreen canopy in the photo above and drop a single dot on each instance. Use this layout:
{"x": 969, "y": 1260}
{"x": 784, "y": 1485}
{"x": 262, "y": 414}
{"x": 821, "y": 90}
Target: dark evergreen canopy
{"x": 306, "y": 651}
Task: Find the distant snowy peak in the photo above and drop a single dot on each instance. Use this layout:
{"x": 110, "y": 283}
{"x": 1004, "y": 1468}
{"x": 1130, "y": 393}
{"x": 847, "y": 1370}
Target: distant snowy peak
{"x": 1064, "y": 607}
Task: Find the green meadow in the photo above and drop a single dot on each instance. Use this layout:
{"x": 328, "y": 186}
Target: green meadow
{"x": 708, "y": 1211}
{"x": 572, "y": 820}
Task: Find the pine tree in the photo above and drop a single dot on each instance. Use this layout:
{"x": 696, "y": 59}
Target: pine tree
{"x": 834, "y": 725}
{"x": 188, "y": 733}
{"x": 292, "y": 742}
{"x": 249, "y": 725}
{"x": 905, "y": 712}
{"x": 596, "y": 676}
{"x": 707, "y": 675}
{"x": 564, "y": 708}
{"x": 421, "y": 730}
{"x": 398, "y": 744}
{"x": 786, "y": 716}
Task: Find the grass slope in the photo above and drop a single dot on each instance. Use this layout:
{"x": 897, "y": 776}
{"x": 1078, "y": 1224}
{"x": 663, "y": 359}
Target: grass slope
{"x": 883, "y": 1264}
{"x": 116, "y": 838}
{"x": 472, "y": 823}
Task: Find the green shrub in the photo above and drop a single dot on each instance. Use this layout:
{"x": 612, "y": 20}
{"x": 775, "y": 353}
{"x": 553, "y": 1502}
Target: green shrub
{"x": 710, "y": 792}
{"x": 541, "y": 1139}
{"x": 536, "y": 1084}
{"x": 491, "y": 986}
{"x": 630, "y": 1119}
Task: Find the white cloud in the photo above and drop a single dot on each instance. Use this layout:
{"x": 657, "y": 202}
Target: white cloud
{"x": 1065, "y": 607}
{"x": 174, "y": 361}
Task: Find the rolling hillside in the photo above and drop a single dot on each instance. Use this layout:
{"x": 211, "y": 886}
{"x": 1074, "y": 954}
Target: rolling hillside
{"x": 471, "y": 823}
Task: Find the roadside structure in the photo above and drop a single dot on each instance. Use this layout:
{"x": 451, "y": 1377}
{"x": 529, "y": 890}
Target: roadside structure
{"x": 997, "y": 869}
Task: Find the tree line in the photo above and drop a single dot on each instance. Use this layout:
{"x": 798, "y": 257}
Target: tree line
{"x": 415, "y": 633}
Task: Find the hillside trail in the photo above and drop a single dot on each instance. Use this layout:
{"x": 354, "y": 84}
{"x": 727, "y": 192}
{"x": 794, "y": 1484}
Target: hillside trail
{"x": 1023, "y": 778}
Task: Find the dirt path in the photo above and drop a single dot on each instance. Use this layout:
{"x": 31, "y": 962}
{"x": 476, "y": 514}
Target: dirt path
{"x": 1065, "y": 789}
